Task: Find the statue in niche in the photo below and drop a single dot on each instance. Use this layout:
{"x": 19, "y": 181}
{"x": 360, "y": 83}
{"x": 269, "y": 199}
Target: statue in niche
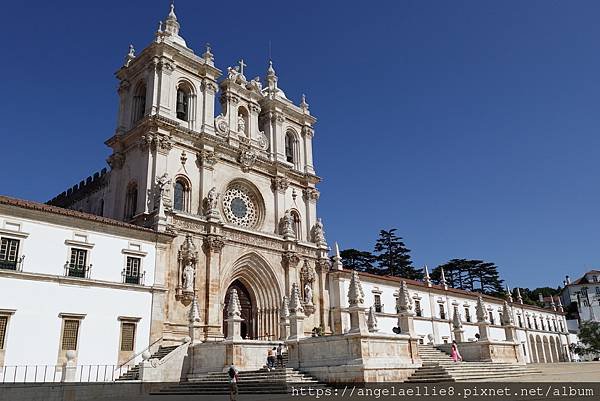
{"x": 308, "y": 297}
{"x": 319, "y": 233}
{"x": 241, "y": 124}
{"x": 188, "y": 277}
{"x": 212, "y": 199}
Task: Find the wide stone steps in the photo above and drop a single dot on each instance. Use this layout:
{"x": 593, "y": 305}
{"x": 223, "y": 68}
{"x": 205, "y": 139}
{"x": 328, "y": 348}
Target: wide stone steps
{"x": 276, "y": 381}
{"x": 134, "y": 372}
{"x": 439, "y": 367}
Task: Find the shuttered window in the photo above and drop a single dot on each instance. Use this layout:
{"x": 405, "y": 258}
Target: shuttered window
{"x": 70, "y": 331}
{"x": 127, "y": 336}
{"x": 3, "y": 324}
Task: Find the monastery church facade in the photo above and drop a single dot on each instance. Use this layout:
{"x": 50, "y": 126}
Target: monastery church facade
{"x": 196, "y": 205}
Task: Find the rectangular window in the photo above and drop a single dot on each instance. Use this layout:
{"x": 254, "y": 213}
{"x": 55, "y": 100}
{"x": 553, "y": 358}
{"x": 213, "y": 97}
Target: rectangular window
{"x": 9, "y": 253}
{"x": 467, "y": 314}
{"x": 418, "y": 311}
{"x": 70, "y": 332}
{"x": 442, "y": 312}
{"x": 520, "y": 320}
{"x": 132, "y": 270}
{"x": 491, "y": 315}
{"x": 528, "y": 322}
{"x": 77, "y": 264}
{"x": 127, "y": 336}
{"x": 500, "y": 318}
{"x": 377, "y": 298}
{"x": 3, "y": 325}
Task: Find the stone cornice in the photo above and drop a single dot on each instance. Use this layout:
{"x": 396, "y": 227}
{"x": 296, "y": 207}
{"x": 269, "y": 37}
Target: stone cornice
{"x": 81, "y": 282}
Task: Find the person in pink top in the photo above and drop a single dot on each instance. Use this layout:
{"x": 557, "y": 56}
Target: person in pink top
{"x": 454, "y": 352}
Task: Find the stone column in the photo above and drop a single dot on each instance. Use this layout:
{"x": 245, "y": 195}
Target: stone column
{"x": 405, "y": 311}
{"x": 69, "y": 368}
{"x": 209, "y": 88}
{"x": 234, "y": 317}
{"x": 296, "y": 315}
{"x": 213, "y": 244}
{"x": 482, "y": 320}
{"x": 356, "y": 300}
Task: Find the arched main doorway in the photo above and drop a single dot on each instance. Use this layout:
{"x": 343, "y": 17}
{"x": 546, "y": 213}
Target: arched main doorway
{"x": 246, "y": 305}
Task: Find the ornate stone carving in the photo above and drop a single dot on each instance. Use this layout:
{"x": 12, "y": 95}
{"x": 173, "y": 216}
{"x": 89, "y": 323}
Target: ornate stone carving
{"x": 456, "y": 320}
{"x": 164, "y": 143}
{"x": 280, "y": 184}
{"x": 207, "y": 158}
{"x": 404, "y": 301}
{"x": 286, "y": 225}
{"x": 255, "y": 85}
{"x": 372, "y": 321}
{"x": 311, "y": 194}
{"x": 188, "y": 257}
{"x": 308, "y": 131}
{"x": 323, "y": 265}
{"x": 247, "y": 158}
{"x": 318, "y": 234}
{"x": 147, "y": 141}
{"x": 507, "y": 316}
{"x": 213, "y": 243}
{"x": 212, "y": 205}
{"x": 295, "y": 304}
{"x": 116, "y": 160}
{"x": 356, "y": 296}
{"x": 241, "y": 124}
{"x": 290, "y": 259}
{"x": 163, "y": 191}
{"x": 221, "y": 125}
{"x": 284, "y": 311}
{"x": 234, "y": 308}
{"x": 482, "y": 316}
{"x": 263, "y": 141}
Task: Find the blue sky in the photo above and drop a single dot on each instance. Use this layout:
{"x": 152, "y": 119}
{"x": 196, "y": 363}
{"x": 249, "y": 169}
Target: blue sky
{"x": 470, "y": 126}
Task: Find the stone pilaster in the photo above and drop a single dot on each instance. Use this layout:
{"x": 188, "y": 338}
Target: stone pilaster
{"x": 234, "y": 317}
{"x": 296, "y": 315}
{"x": 284, "y": 320}
{"x": 213, "y": 245}
{"x": 457, "y": 327}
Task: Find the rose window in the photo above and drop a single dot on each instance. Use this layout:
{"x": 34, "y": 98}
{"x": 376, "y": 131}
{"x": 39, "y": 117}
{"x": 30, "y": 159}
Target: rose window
{"x": 240, "y": 206}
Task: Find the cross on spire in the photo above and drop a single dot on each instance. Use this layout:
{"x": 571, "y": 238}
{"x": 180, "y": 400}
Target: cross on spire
{"x": 242, "y": 65}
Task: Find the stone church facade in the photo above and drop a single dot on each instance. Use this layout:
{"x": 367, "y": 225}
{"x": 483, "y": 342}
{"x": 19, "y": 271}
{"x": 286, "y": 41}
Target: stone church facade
{"x": 237, "y": 189}
{"x": 207, "y": 202}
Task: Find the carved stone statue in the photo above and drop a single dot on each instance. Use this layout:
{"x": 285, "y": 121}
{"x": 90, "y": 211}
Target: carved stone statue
{"x": 318, "y": 233}
{"x": 287, "y": 225}
{"x": 163, "y": 190}
{"x": 255, "y": 84}
{"x": 233, "y": 72}
{"x": 188, "y": 278}
{"x": 212, "y": 198}
{"x": 241, "y": 125}
{"x": 308, "y": 296}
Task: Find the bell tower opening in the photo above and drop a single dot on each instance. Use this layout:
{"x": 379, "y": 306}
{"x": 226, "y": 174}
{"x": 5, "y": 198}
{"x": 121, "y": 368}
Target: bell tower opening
{"x": 247, "y": 330}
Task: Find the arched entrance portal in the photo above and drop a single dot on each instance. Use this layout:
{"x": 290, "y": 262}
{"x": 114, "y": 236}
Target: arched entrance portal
{"x": 246, "y": 304}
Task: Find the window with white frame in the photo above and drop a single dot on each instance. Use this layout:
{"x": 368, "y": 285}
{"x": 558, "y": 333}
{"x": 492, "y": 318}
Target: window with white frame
{"x": 442, "y": 312}
{"x": 418, "y": 310}
{"x": 133, "y": 270}
{"x": 377, "y": 303}
{"x": 9, "y": 253}
{"x": 77, "y": 266}
{"x": 467, "y": 314}
{"x": 491, "y": 316}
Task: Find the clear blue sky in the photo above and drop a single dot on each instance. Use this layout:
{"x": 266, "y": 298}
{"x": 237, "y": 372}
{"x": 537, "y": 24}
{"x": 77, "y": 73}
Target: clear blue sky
{"x": 471, "y": 126}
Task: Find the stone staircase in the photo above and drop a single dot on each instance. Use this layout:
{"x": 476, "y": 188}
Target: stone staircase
{"x": 262, "y": 381}
{"x": 134, "y": 373}
{"x": 439, "y": 367}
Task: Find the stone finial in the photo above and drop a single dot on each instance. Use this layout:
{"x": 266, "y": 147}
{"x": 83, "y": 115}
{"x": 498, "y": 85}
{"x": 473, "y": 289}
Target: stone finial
{"x": 318, "y": 234}
{"x": 507, "y": 316}
{"x": 427, "y": 278}
{"x": 172, "y": 12}
{"x": 295, "y": 304}
{"x": 356, "y": 296}
{"x": 443, "y": 281}
{"x": 271, "y": 78}
{"x": 287, "y": 225}
{"x": 405, "y": 303}
{"x": 519, "y": 297}
{"x": 552, "y": 304}
{"x": 560, "y": 305}
{"x": 508, "y": 294}
{"x": 482, "y": 316}
{"x": 456, "y": 320}
{"x": 372, "y": 320}
{"x": 284, "y": 312}
{"x": 208, "y": 57}
{"x": 130, "y": 56}
{"x": 234, "y": 310}
{"x": 337, "y": 259}
{"x": 303, "y": 104}
{"x": 194, "y": 315}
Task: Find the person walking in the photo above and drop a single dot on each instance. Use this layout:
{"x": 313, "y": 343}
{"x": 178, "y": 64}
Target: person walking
{"x": 271, "y": 359}
{"x": 233, "y": 373}
{"x": 454, "y": 352}
{"x": 280, "y": 355}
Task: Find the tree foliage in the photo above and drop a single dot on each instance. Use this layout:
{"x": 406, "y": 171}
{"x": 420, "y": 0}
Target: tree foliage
{"x": 470, "y": 275}
{"x": 393, "y": 258}
{"x": 589, "y": 338}
{"x": 354, "y": 259}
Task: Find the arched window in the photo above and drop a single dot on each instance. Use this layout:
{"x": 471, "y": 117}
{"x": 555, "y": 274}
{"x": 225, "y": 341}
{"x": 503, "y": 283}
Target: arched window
{"x": 183, "y": 103}
{"x": 290, "y": 147}
{"x": 181, "y": 198}
{"x": 297, "y": 226}
{"x": 139, "y": 102}
{"x": 131, "y": 200}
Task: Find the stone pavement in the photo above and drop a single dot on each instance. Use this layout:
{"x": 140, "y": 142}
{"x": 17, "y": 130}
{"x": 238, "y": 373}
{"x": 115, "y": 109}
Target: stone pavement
{"x": 562, "y": 372}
